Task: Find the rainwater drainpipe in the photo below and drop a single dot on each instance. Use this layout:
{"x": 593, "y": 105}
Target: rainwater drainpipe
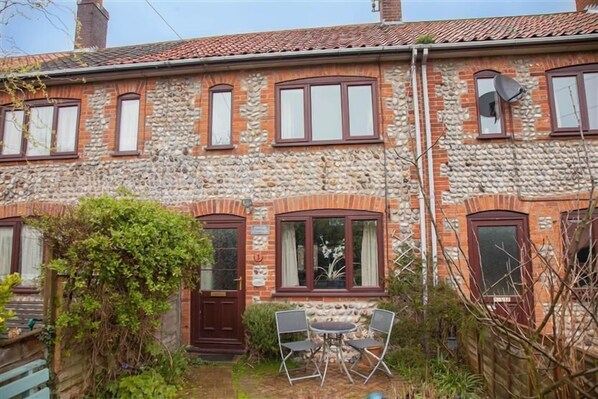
{"x": 430, "y": 161}
{"x": 420, "y": 171}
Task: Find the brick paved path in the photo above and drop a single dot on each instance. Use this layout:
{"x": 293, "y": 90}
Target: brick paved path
{"x": 216, "y": 382}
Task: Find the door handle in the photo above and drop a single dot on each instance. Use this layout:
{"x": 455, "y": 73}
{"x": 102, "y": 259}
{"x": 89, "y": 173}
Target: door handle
{"x": 239, "y": 283}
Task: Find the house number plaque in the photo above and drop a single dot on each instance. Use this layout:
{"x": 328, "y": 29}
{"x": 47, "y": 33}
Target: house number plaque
{"x": 260, "y": 230}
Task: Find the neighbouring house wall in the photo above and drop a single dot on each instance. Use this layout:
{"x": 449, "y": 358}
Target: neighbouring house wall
{"x": 175, "y": 169}
{"x": 532, "y": 172}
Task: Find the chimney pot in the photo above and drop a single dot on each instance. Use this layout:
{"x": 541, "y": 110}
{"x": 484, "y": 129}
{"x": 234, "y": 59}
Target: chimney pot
{"x": 92, "y": 27}
{"x": 390, "y": 11}
{"x": 583, "y": 5}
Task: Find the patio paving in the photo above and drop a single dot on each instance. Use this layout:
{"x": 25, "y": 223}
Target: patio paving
{"x": 218, "y": 381}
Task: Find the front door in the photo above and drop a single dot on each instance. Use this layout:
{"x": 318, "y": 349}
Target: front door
{"x": 216, "y": 308}
{"x": 499, "y": 256}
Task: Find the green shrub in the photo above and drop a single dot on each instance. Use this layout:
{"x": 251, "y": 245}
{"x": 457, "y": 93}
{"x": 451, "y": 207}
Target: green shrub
{"x": 172, "y": 366}
{"x": 149, "y": 384}
{"x": 6, "y": 286}
{"x": 121, "y": 260}
{"x": 260, "y": 328}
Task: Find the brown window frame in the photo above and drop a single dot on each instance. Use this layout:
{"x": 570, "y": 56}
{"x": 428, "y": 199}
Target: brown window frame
{"x": 485, "y": 74}
{"x": 308, "y": 217}
{"x": 345, "y": 82}
{"x": 121, "y": 98}
{"x": 220, "y": 88}
{"x": 576, "y": 71}
{"x": 56, "y": 103}
{"x": 566, "y": 219}
{"x": 15, "y": 263}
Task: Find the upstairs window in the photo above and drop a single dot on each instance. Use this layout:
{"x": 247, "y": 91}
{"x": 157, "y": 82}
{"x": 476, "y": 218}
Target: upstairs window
{"x": 20, "y": 250}
{"x": 326, "y": 110}
{"x": 329, "y": 251}
{"x": 573, "y": 95}
{"x": 221, "y": 117}
{"x": 128, "y": 124}
{"x": 41, "y": 130}
{"x": 489, "y": 106}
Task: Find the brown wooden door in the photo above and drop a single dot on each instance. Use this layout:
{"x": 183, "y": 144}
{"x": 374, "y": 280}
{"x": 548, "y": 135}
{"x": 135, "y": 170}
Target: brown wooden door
{"x": 499, "y": 255}
{"x": 218, "y": 305}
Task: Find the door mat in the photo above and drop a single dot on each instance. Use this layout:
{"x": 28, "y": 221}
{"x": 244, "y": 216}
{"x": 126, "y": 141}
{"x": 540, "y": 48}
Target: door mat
{"x": 217, "y": 358}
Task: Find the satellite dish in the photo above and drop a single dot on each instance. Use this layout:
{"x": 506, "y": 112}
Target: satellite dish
{"x": 488, "y": 104}
{"x": 508, "y": 89}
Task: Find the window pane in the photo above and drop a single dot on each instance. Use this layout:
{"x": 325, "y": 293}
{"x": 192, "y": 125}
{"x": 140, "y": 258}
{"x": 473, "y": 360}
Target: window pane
{"x": 361, "y": 115}
{"x": 39, "y": 136}
{"x": 13, "y": 132}
{"x": 566, "y": 101}
{"x": 31, "y": 254}
{"x": 488, "y": 107}
{"x": 499, "y": 258}
{"x": 591, "y": 85}
{"x": 5, "y": 250}
{"x": 293, "y": 254}
{"x": 221, "y": 118}
{"x": 222, "y": 274}
{"x": 365, "y": 253}
{"x": 292, "y": 117}
{"x": 66, "y": 132}
{"x": 129, "y": 125}
{"x": 329, "y": 253}
{"x": 326, "y": 119}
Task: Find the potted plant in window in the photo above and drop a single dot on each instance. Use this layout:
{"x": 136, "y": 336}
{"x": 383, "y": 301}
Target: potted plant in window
{"x": 333, "y": 274}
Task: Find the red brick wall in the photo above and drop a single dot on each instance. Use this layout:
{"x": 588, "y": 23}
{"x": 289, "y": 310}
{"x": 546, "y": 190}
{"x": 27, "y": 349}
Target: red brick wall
{"x": 581, "y": 5}
{"x": 390, "y": 10}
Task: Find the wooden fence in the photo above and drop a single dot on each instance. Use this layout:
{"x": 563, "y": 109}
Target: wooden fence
{"x": 508, "y": 370}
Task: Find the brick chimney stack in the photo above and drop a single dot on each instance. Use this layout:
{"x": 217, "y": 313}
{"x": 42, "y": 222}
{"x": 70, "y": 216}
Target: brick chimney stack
{"x": 390, "y": 11}
{"x": 582, "y": 5}
{"x": 92, "y": 27}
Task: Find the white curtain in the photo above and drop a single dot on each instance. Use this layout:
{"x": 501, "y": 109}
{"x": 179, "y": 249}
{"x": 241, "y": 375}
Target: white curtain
{"x": 129, "y": 125}
{"x": 13, "y": 132}
{"x": 369, "y": 255}
{"x": 292, "y": 119}
{"x": 31, "y": 254}
{"x": 5, "y": 250}
{"x": 66, "y": 131}
{"x": 290, "y": 275}
{"x": 221, "y": 118}
{"x": 39, "y": 137}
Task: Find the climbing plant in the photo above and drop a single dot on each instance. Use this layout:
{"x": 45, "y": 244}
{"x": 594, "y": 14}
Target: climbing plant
{"x": 120, "y": 259}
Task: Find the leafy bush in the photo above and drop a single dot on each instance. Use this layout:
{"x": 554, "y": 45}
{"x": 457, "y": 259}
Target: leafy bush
{"x": 121, "y": 260}
{"x": 260, "y": 327}
{"x": 6, "y": 286}
{"x": 149, "y": 384}
{"x": 171, "y": 366}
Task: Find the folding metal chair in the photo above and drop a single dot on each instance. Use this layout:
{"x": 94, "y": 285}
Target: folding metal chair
{"x": 295, "y": 322}
{"x": 382, "y": 322}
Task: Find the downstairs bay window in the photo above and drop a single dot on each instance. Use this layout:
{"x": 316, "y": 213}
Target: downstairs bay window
{"x": 329, "y": 251}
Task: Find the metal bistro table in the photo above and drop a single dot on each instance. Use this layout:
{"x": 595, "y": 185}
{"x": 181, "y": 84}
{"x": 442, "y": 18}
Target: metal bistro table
{"x": 333, "y": 337}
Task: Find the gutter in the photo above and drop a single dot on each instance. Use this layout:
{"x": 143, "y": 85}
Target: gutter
{"x": 430, "y": 161}
{"x": 420, "y": 173}
{"x": 360, "y": 51}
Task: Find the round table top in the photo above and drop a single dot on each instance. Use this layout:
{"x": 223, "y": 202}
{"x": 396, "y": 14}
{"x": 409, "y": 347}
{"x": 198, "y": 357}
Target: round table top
{"x": 331, "y": 327}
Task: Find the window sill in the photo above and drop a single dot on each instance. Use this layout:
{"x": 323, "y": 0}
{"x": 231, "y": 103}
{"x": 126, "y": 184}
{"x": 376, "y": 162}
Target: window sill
{"x": 218, "y": 148}
{"x": 41, "y": 158}
{"x": 330, "y": 293}
{"x": 326, "y": 143}
{"x": 125, "y": 154}
{"x": 491, "y": 136}
{"x": 574, "y": 134}
{"x": 25, "y": 290}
